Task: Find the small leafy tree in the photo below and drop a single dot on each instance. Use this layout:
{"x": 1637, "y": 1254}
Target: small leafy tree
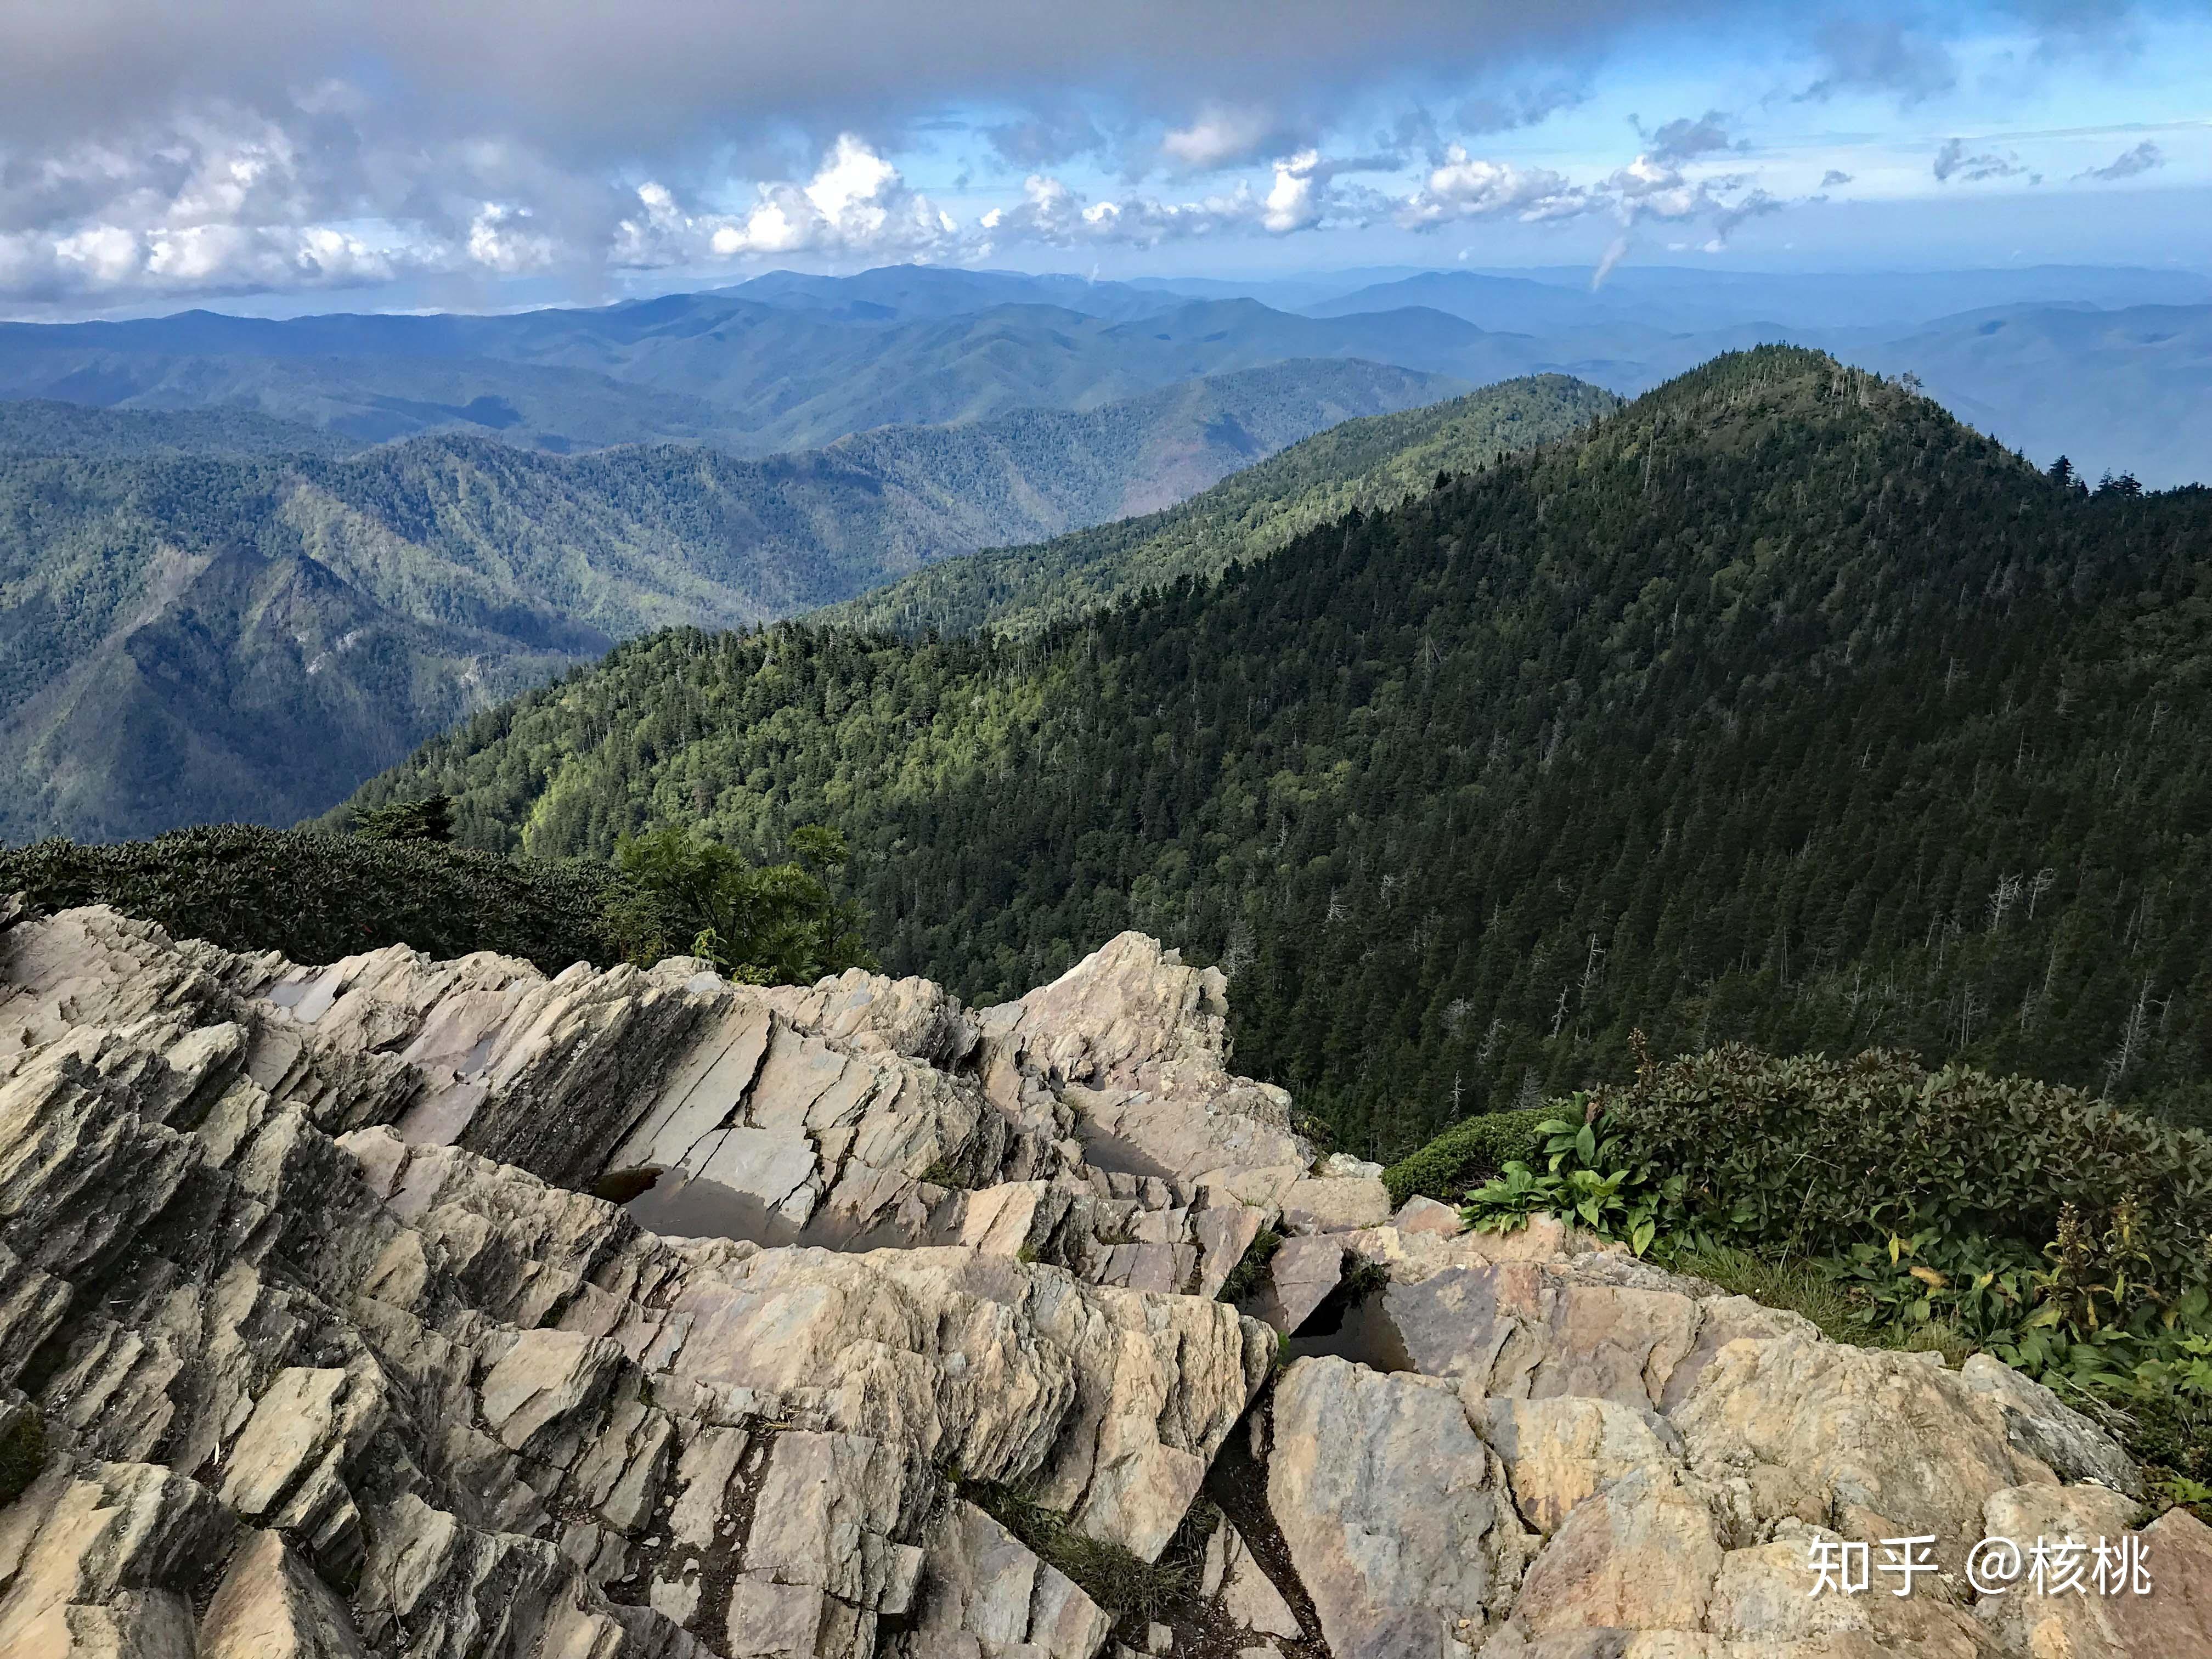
{"x": 426, "y": 817}
{"x": 779, "y": 924}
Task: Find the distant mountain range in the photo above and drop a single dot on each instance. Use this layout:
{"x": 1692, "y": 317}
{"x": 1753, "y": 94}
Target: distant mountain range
{"x": 197, "y": 625}
{"x": 788, "y": 361}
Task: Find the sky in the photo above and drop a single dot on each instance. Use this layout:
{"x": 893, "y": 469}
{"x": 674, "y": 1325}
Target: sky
{"x": 285, "y": 155}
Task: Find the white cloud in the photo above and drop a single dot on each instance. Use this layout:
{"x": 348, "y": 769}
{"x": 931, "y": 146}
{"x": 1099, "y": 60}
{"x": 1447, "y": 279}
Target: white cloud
{"x": 1221, "y": 137}
{"x": 856, "y": 204}
{"x": 502, "y": 240}
{"x": 226, "y": 205}
{"x": 1295, "y": 203}
{"x": 1464, "y": 187}
{"x": 1052, "y": 213}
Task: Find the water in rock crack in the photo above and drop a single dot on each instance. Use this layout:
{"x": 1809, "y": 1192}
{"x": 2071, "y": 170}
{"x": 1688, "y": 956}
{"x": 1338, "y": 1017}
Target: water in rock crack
{"x": 1104, "y": 1149}
{"x": 1354, "y": 1325}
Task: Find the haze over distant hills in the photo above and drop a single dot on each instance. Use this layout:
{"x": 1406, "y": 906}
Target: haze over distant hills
{"x": 789, "y": 360}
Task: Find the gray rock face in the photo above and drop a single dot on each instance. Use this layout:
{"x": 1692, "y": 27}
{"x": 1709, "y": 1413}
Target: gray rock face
{"x": 327, "y": 1365}
{"x": 1594, "y": 1457}
{"x": 332, "y": 1352}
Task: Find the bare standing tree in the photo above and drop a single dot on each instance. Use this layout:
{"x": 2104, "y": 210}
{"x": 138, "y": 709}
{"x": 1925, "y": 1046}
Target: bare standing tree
{"x": 2132, "y": 1035}
{"x": 2037, "y": 884}
{"x": 2002, "y": 900}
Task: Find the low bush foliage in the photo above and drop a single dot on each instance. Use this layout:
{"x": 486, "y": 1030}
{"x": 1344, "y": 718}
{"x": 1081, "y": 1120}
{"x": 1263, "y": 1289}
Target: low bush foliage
{"x": 1123, "y": 1583}
{"x": 1951, "y": 1211}
{"x": 1813, "y": 1154}
{"x": 316, "y": 898}
{"x": 778, "y": 923}
{"x": 1250, "y": 1272}
{"x": 1465, "y": 1153}
{"x": 1586, "y": 1178}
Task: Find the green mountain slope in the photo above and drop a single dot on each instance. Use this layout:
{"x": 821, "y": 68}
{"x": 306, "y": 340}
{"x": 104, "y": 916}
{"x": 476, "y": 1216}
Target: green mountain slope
{"x": 1779, "y": 706}
{"x": 1368, "y": 464}
{"x": 191, "y": 637}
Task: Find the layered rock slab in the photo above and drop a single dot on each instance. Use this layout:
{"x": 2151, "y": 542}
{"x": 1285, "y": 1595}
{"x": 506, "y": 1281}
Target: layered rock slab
{"x": 326, "y": 1358}
{"x": 308, "y": 1382}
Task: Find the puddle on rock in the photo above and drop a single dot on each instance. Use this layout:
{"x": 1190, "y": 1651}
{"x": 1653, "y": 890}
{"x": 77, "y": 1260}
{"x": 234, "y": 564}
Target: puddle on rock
{"x": 677, "y": 1208}
{"x": 1103, "y": 1150}
{"x": 1354, "y": 1325}
{"x": 621, "y": 1186}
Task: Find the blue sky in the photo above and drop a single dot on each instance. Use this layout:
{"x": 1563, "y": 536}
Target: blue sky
{"x": 262, "y": 155}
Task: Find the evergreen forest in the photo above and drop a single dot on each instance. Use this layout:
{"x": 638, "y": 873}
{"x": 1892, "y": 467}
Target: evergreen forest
{"x": 1777, "y": 707}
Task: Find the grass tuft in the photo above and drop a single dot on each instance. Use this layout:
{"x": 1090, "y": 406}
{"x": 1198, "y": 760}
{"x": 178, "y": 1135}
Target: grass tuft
{"x": 1122, "y": 1583}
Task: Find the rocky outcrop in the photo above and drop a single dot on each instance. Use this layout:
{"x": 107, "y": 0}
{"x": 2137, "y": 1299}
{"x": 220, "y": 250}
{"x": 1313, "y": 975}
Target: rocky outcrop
{"x": 397, "y": 1307}
{"x": 1589, "y": 1456}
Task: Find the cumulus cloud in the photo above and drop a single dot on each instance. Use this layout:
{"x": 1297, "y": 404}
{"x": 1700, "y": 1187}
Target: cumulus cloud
{"x": 857, "y": 203}
{"x": 148, "y": 148}
{"x": 1224, "y": 138}
{"x": 1833, "y": 177}
{"x": 1952, "y": 162}
{"x": 1463, "y": 186}
{"x": 2129, "y": 163}
{"x": 1052, "y": 213}
{"x": 500, "y": 239}
{"x": 1310, "y": 192}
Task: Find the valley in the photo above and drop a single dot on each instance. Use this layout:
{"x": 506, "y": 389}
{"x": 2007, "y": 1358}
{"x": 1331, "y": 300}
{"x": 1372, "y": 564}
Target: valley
{"x": 192, "y": 632}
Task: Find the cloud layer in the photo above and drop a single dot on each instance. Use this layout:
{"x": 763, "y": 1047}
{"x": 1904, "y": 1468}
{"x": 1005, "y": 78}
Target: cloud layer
{"x": 150, "y": 150}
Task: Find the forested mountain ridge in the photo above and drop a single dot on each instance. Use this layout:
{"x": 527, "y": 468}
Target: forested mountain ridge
{"x": 1776, "y": 705}
{"x": 1371, "y": 462}
{"x": 44, "y": 426}
{"x": 187, "y": 636}
{"x": 748, "y": 377}
{"x": 2108, "y": 364}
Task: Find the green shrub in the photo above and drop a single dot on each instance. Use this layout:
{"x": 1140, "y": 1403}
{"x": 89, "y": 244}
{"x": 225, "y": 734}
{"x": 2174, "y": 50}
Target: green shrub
{"x": 778, "y": 923}
{"x": 316, "y": 898}
{"x": 1811, "y": 1156}
{"x": 426, "y": 817}
{"x": 1952, "y": 1211}
{"x": 22, "y": 1447}
{"x": 1465, "y": 1154}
